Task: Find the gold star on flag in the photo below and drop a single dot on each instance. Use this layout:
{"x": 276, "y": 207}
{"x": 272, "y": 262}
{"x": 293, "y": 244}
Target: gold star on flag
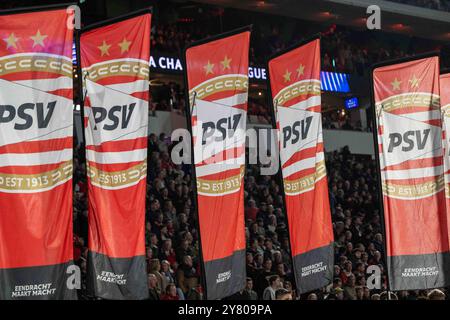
{"x": 104, "y": 48}
{"x": 38, "y": 39}
{"x": 11, "y": 41}
{"x": 414, "y": 82}
{"x": 396, "y": 84}
{"x": 287, "y": 76}
{"x": 124, "y": 45}
{"x": 209, "y": 68}
{"x": 225, "y": 63}
{"x": 300, "y": 70}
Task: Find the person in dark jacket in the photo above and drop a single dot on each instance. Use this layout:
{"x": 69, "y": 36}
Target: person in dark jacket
{"x": 249, "y": 293}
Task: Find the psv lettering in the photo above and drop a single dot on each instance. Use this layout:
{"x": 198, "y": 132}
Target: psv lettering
{"x": 223, "y": 125}
{"x": 408, "y": 140}
{"x": 24, "y": 115}
{"x": 299, "y": 130}
{"x": 117, "y": 115}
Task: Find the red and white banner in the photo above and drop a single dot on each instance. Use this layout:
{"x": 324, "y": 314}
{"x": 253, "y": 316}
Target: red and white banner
{"x": 115, "y": 67}
{"x": 444, "y": 86}
{"x": 36, "y": 128}
{"x": 217, "y": 73}
{"x": 295, "y": 86}
{"x": 408, "y": 119}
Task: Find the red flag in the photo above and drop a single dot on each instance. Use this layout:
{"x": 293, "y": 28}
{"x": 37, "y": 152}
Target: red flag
{"x": 295, "y": 87}
{"x": 36, "y": 128}
{"x": 115, "y": 67}
{"x": 444, "y": 86}
{"x": 408, "y": 120}
{"x": 217, "y": 73}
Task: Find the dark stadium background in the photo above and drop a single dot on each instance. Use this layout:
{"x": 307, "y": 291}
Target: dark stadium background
{"x": 408, "y": 27}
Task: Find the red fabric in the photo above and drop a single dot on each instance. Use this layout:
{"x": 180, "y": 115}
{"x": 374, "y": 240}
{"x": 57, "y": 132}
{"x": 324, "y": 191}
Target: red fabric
{"x": 36, "y": 211}
{"x": 403, "y": 98}
{"x": 169, "y": 297}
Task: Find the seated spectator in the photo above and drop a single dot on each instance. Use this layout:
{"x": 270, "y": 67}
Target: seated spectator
{"x": 436, "y": 294}
{"x": 252, "y": 210}
{"x": 349, "y": 288}
{"x": 167, "y": 272}
{"x": 153, "y": 293}
{"x": 170, "y": 293}
{"x": 264, "y": 274}
{"x": 339, "y": 293}
{"x": 187, "y": 275}
{"x": 283, "y": 294}
{"x": 274, "y": 284}
{"x": 388, "y": 295}
{"x": 359, "y": 293}
{"x": 366, "y": 295}
{"x": 167, "y": 252}
{"x": 312, "y": 296}
{"x": 252, "y": 272}
{"x": 248, "y": 291}
{"x": 154, "y": 268}
{"x": 195, "y": 293}
{"x": 375, "y": 296}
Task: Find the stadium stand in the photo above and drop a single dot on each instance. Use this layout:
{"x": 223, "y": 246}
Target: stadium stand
{"x": 171, "y": 228}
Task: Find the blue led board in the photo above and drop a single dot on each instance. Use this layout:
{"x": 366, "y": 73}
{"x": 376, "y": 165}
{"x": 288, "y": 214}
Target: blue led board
{"x": 351, "y": 103}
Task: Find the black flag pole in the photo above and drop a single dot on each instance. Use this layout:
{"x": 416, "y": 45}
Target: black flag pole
{"x": 279, "y": 176}
{"x": 80, "y": 83}
{"x": 379, "y": 180}
{"x": 189, "y": 112}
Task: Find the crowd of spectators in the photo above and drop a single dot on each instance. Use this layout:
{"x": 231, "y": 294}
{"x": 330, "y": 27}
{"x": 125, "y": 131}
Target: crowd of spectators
{"x": 340, "y": 119}
{"x": 167, "y": 96}
{"x": 170, "y": 97}
{"x": 172, "y": 235}
{"x": 343, "y": 49}
{"x": 172, "y": 38}
{"x": 258, "y": 111}
{"x": 443, "y": 5}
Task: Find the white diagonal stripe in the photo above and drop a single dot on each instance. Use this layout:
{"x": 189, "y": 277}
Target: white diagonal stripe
{"x": 208, "y": 169}
{"x": 305, "y": 104}
{"x": 47, "y": 84}
{"x": 302, "y": 165}
{"x": 116, "y": 157}
{"x": 413, "y": 173}
{"x": 35, "y": 159}
{"x": 423, "y": 116}
{"x": 239, "y": 98}
{"x": 130, "y": 87}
